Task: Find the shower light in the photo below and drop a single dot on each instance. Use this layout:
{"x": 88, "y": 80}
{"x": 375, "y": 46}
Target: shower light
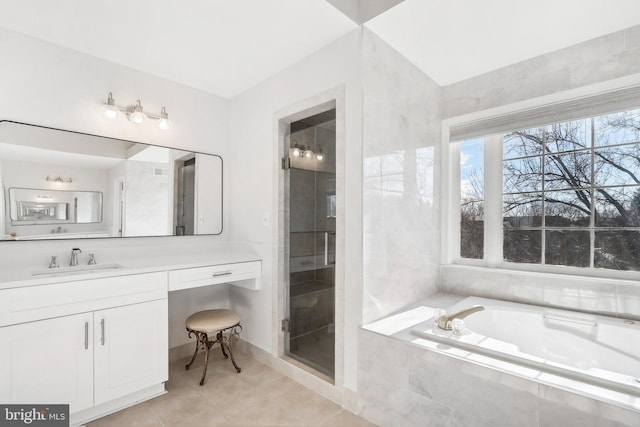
{"x": 306, "y": 153}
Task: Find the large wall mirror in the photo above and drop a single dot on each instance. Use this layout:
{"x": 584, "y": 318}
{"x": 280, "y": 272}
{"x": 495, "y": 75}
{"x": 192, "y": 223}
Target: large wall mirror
{"x": 59, "y": 184}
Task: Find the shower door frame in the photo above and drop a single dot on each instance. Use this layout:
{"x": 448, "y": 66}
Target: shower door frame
{"x": 325, "y": 101}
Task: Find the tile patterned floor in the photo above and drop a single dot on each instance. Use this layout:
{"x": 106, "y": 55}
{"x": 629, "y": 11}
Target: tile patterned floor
{"x": 257, "y": 397}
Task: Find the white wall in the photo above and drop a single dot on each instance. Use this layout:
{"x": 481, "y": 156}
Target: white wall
{"x": 253, "y": 187}
{"x": 49, "y": 85}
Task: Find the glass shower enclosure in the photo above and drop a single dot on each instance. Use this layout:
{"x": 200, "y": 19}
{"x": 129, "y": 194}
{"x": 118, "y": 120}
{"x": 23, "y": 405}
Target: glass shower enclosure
{"x": 310, "y": 335}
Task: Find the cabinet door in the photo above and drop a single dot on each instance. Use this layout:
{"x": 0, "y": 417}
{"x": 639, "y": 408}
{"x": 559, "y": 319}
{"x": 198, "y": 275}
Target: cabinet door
{"x": 48, "y": 362}
{"x": 131, "y": 349}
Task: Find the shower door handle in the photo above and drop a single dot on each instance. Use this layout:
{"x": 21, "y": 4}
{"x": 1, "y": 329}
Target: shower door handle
{"x": 327, "y": 235}
{"x": 326, "y": 248}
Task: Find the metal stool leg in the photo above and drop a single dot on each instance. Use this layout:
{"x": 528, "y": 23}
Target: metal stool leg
{"x": 220, "y": 339}
{"x": 228, "y": 343}
{"x": 207, "y": 344}
{"x": 195, "y": 353}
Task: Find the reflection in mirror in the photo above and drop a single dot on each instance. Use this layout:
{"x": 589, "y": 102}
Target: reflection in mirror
{"x": 32, "y": 207}
{"x": 60, "y": 184}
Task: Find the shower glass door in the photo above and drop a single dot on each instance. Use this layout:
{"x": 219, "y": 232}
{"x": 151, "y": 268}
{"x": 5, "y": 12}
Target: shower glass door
{"x": 312, "y": 241}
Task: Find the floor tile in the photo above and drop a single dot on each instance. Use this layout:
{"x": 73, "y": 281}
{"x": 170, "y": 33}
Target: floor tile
{"x": 256, "y": 397}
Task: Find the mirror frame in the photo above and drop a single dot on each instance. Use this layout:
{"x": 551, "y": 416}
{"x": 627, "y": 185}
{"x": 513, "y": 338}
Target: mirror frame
{"x": 134, "y": 142}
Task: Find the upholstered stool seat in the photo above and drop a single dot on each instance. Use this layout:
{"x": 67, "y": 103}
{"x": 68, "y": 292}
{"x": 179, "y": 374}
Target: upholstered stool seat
{"x": 226, "y": 326}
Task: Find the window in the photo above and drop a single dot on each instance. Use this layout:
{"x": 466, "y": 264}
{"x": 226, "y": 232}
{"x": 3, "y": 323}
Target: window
{"x": 569, "y": 193}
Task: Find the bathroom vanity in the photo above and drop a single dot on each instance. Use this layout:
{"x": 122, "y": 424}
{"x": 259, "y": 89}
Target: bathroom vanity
{"x": 97, "y": 338}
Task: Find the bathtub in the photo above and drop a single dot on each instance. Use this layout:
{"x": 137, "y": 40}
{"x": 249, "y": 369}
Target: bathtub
{"x": 596, "y": 350}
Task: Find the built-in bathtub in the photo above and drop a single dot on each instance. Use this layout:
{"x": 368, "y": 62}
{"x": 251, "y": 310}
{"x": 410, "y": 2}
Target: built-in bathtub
{"x": 595, "y": 350}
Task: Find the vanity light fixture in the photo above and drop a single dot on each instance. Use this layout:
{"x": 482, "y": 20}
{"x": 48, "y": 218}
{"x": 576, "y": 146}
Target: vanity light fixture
{"x": 135, "y": 113}
{"x": 59, "y": 180}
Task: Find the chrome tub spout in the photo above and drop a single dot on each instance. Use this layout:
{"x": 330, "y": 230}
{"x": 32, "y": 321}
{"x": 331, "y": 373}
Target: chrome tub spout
{"x": 444, "y": 322}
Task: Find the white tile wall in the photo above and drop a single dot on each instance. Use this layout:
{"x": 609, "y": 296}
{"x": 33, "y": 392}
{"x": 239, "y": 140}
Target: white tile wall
{"x": 404, "y": 385}
{"x": 400, "y": 202}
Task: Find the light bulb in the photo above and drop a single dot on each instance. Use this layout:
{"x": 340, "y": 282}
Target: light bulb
{"x": 319, "y": 156}
{"x": 164, "y": 123}
{"x": 137, "y": 116}
{"x": 296, "y": 152}
{"x": 110, "y": 109}
{"x": 308, "y": 154}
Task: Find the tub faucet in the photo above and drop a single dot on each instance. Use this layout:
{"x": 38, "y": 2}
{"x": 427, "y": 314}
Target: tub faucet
{"x": 74, "y": 257}
{"x": 444, "y": 322}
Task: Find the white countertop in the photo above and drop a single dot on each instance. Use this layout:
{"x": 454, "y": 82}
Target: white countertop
{"x": 20, "y": 277}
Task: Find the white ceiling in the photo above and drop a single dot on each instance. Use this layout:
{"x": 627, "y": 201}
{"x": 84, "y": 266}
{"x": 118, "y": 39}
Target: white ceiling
{"x": 452, "y": 40}
{"x": 219, "y": 46}
{"x": 226, "y": 46}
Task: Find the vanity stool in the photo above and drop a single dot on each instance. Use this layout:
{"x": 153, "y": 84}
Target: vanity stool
{"x": 225, "y": 324}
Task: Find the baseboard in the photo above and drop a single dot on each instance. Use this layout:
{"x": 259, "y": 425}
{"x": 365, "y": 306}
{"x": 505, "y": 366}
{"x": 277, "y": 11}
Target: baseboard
{"x": 83, "y": 417}
{"x": 181, "y": 351}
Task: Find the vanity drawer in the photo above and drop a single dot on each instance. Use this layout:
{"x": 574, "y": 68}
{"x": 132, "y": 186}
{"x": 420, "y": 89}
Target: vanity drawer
{"x": 18, "y": 305}
{"x": 244, "y": 274}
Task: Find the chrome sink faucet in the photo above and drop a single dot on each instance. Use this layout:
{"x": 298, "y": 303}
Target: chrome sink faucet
{"x": 74, "y": 257}
{"x": 444, "y": 321}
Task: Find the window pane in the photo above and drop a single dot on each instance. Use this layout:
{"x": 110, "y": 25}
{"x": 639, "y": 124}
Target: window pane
{"x": 522, "y": 210}
{"x": 617, "y": 207}
{"x": 618, "y": 128}
{"x": 617, "y": 250}
{"x": 567, "y": 208}
{"x": 471, "y": 237}
{"x": 617, "y": 165}
{"x": 522, "y": 175}
{"x": 472, "y": 199}
{"x": 568, "y": 136}
{"x": 523, "y": 143}
{"x": 522, "y": 246}
{"x": 563, "y": 247}
{"x": 571, "y": 170}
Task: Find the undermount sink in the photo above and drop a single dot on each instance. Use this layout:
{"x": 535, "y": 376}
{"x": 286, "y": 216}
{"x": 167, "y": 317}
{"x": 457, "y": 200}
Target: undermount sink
{"x": 80, "y": 269}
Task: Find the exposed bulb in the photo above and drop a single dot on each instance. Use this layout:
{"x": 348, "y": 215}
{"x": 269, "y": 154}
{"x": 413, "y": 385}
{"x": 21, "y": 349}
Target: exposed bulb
{"x": 320, "y": 156}
{"x": 137, "y": 117}
{"x": 295, "y": 149}
{"x": 110, "y": 109}
{"x": 164, "y": 123}
{"x": 308, "y": 153}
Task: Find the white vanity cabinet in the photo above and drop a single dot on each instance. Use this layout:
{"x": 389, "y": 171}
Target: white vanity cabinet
{"x": 130, "y": 349}
{"x": 97, "y": 345}
{"x": 49, "y": 361}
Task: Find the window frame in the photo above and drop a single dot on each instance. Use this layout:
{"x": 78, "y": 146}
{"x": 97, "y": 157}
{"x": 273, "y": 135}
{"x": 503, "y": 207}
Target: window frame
{"x": 493, "y": 158}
